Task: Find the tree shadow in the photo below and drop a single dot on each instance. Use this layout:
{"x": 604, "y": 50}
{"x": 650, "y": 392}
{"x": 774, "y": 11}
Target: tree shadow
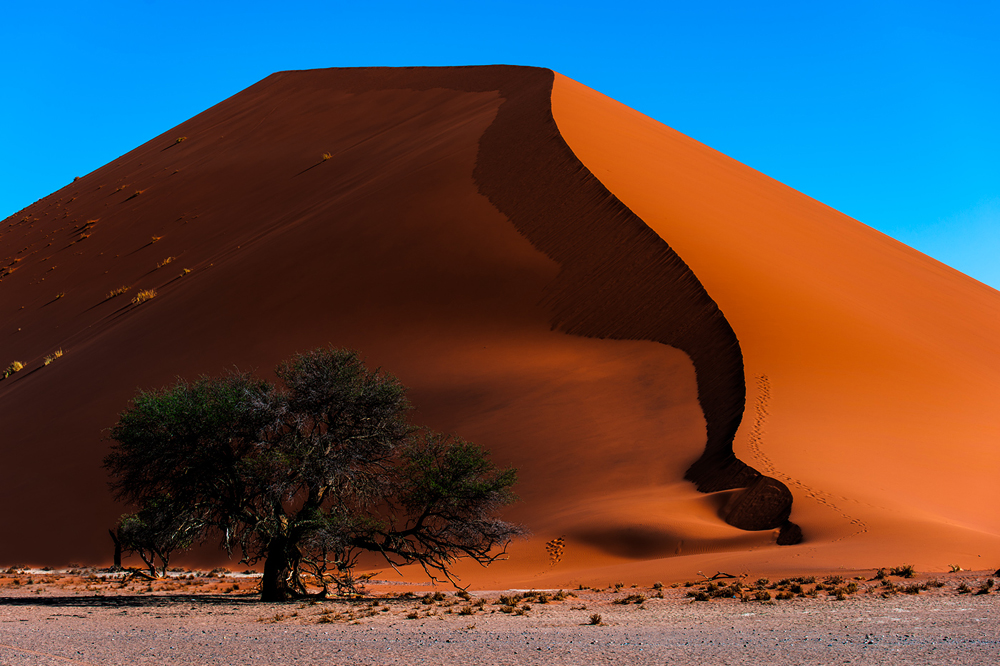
{"x": 135, "y": 601}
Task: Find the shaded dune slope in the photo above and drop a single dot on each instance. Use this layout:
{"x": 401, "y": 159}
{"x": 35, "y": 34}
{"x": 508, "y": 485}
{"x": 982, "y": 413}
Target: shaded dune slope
{"x": 620, "y": 280}
{"x": 433, "y": 218}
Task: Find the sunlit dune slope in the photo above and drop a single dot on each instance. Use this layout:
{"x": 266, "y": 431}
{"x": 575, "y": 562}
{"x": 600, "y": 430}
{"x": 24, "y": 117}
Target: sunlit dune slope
{"x": 873, "y": 371}
{"x": 435, "y": 220}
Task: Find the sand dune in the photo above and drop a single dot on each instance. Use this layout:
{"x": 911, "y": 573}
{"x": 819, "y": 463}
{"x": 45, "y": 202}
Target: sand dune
{"x": 580, "y": 289}
{"x": 873, "y": 370}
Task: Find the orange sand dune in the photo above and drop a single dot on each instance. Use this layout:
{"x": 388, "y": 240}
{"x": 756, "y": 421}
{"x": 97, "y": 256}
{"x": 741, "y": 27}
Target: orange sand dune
{"x": 873, "y": 370}
{"x": 593, "y": 332}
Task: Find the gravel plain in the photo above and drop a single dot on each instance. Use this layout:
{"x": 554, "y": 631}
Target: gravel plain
{"x": 101, "y": 626}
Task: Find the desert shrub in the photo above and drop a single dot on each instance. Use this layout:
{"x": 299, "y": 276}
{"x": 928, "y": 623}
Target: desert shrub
{"x": 699, "y": 596}
{"x": 116, "y": 292}
{"x": 143, "y": 296}
{"x": 934, "y": 582}
{"x": 834, "y": 580}
{"x": 630, "y": 599}
{"x": 53, "y": 356}
{"x": 762, "y": 582}
{"x": 762, "y": 595}
{"x": 796, "y": 588}
{"x": 910, "y": 589}
{"x": 15, "y": 366}
{"x": 467, "y": 610}
{"x": 881, "y": 574}
{"x": 595, "y": 619}
{"x": 964, "y": 588}
{"x": 903, "y": 571}
{"x": 462, "y": 594}
{"x": 985, "y": 587}
{"x": 782, "y": 596}
{"x": 657, "y": 585}
{"x": 509, "y": 599}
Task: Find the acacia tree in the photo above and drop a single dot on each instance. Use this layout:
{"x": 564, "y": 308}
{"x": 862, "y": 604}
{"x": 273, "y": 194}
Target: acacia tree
{"x": 308, "y": 475}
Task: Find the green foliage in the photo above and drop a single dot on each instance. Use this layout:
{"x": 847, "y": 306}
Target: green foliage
{"x": 309, "y": 475}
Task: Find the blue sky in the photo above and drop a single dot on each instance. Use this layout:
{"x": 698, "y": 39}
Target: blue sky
{"x": 887, "y": 111}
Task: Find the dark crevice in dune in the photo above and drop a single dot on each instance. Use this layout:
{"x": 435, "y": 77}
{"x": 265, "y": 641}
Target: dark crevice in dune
{"x": 618, "y": 278}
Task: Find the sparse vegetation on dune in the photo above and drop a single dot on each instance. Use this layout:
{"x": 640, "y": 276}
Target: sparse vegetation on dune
{"x": 116, "y": 292}
{"x": 15, "y": 366}
{"x": 143, "y": 296}
{"x": 53, "y": 356}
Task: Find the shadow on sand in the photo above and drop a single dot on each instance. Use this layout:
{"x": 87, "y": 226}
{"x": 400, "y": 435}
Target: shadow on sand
{"x": 134, "y": 601}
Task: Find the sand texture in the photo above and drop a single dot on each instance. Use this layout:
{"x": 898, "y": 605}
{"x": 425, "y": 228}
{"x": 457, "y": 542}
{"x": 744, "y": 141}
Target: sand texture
{"x": 668, "y": 345}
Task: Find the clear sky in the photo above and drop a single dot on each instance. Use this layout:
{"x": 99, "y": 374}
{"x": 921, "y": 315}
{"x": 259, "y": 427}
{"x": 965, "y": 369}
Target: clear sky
{"x": 887, "y": 111}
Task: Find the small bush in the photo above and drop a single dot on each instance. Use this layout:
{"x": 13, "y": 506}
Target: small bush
{"x": 116, "y": 292}
{"x": 143, "y": 296}
{"x": 53, "y": 356}
{"x": 934, "y": 582}
{"x": 326, "y": 156}
{"x": 462, "y": 594}
{"x": 595, "y": 619}
{"x": 904, "y": 571}
{"x": 179, "y": 139}
{"x": 165, "y": 262}
{"x": 964, "y": 588}
{"x": 762, "y": 595}
{"x": 467, "y": 610}
{"x": 657, "y": 585}
{"x": 16, "y": 366}
{"x": 985, "y": 587}
{"x": 630, "y": 599}
{"x": 784, "y": 595}
{"x": 954, "y": 568}
{"x": 412, "y": 615}
{"x": 762, "y": 582}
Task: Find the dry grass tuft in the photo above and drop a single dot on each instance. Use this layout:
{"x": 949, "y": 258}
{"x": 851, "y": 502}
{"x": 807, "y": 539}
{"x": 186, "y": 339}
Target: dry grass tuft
{"x": 53, "y": 356}
{"x": 165, "y": 262}
{"x": 116, "y": 292}
{"x": 16, "y": 366}
{"x": 143, "y": 296}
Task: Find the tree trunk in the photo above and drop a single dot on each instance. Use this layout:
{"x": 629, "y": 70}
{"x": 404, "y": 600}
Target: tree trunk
{"x": 274, "y": 584}
{"x": 118, "y": 549}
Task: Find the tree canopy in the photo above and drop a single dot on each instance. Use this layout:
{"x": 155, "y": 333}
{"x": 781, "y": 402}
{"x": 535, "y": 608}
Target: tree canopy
{"x": 305, "y": 475}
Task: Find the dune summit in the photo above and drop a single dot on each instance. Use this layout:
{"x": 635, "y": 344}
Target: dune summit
{"x": 574, "y": 286}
